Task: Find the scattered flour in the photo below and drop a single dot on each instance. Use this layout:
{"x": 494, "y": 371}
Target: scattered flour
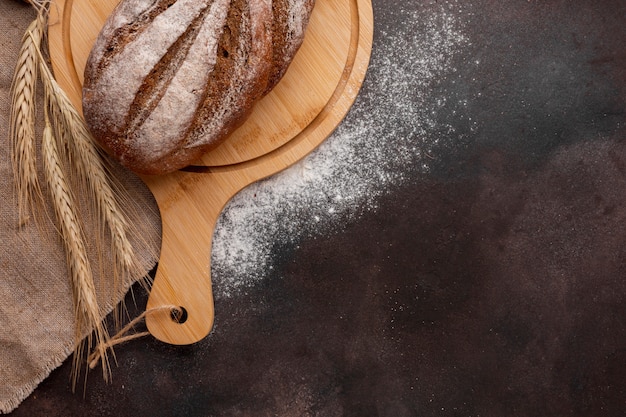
{"x": 387, "y": 134}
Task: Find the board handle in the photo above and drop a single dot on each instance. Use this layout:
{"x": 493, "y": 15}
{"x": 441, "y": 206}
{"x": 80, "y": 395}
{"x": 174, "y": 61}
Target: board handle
{"x": 183, "y": 276}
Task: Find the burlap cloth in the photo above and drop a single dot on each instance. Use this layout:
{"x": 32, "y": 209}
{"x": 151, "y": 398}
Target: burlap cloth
{"x": 36, "y": 311}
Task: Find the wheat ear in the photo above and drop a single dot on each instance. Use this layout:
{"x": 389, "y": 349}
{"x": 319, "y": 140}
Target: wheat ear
{"x": 86, "y": 306}
{"x": 58, "y": 137}
{"x": 90, "y": 168}
{"x": 90, "y": 172}
{"x": 74, "y": 163}
{"x": 22, "y": 124}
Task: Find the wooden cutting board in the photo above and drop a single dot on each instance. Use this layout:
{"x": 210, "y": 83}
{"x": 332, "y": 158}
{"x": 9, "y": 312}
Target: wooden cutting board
{"x": 302, "y": 111}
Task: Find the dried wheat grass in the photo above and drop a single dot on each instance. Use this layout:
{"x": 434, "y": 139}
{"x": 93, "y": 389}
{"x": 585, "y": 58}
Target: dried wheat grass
{"x": 87, "y": 311}
{"x": 76, "y": 172}
{"x": 92, "y": 173}
{"x": 22, "y": 124}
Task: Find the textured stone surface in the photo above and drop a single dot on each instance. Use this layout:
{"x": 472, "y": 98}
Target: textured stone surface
{"x": 493, "y": 286}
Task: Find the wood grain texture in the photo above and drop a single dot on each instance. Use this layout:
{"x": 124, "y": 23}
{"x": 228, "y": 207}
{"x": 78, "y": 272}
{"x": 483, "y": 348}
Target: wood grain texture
{"x": 291, "y": 121}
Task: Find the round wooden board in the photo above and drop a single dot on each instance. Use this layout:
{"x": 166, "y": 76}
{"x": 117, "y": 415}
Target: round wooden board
{"x": 304, "y": 108}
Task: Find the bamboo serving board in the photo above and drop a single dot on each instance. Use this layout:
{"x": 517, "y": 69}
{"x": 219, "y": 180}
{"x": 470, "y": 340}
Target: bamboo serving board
{"x": 303, "y": 110}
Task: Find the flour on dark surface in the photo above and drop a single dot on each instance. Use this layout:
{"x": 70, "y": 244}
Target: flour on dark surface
{"x": 375, "y": 149}
{"x": 486, "y": 279}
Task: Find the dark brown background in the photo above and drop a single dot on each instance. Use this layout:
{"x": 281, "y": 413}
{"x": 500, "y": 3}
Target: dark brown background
{"x": 494, "y": 286}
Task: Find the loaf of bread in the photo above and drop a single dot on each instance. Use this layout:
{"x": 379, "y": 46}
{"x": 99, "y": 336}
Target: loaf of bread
{"x": 168, "y": 80}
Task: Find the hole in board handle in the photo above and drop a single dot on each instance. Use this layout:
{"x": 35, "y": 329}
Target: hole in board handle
{"x": 179, "y": 314}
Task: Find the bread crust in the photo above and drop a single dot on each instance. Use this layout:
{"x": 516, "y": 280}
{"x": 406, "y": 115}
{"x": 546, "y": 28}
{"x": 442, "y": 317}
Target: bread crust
{"x": 168, "y": 80}
{"x": 290, "y": 19}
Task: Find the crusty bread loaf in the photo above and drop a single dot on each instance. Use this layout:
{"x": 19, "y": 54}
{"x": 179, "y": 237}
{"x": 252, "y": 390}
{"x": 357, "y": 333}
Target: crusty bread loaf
{"x": 167, "y": 80}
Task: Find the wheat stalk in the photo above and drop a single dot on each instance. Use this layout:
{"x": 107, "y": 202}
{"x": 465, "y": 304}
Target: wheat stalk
{"x": 67, "y": 142}
{"x": 81, "y": 153}
{"x": 88, "y": 160}
{"x": 90, "y": 168}
{"x": 73, "y": 165}
{"x": 22, "y": 124}
{"x": 87, "y": 311}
